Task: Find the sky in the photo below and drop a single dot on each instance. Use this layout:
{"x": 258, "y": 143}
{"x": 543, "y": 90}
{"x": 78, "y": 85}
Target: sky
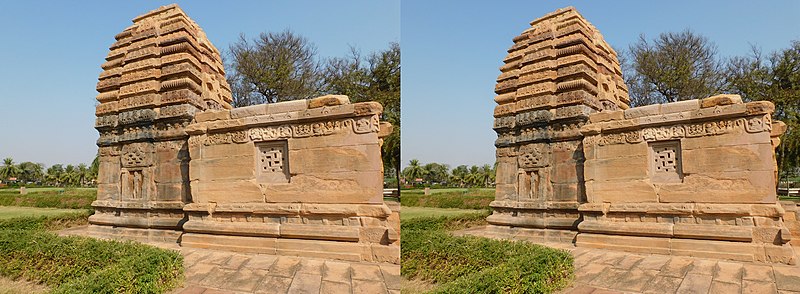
{"x": 451, "y": 52}
{"x": 51, "y": 51}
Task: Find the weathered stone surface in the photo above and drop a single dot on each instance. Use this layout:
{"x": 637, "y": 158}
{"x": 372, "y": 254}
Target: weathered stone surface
{"x": 720, "y": 100}
{"x": 151, "y": 87}
{"x": 559, "y": 77}
{"x": 291, "y": 178}
{"x": 328, "y": 100}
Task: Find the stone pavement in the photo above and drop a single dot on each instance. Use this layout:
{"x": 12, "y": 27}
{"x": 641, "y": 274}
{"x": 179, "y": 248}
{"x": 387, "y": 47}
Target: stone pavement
{"x": 603, "y": 271}
{"x": 210, "y": 271}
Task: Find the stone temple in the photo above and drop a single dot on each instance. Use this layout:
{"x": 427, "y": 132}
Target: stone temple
{"x": 576, "y": 164}
{"x": 179, "y": 164}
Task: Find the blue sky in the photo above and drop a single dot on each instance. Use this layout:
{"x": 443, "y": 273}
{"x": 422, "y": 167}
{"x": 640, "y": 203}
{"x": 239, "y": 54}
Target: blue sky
{"x": 452, "y": 51}
{"x": 51, "y": 51}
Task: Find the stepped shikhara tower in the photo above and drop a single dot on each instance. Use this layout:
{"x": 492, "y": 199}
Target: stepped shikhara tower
{"x": 158, "y": 74}
{"x": 557, "y": 72}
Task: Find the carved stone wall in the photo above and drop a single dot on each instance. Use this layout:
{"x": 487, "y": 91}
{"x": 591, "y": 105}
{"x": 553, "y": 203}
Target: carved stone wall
{"x": 291, "y": 178}
{"x": 157, "y": 75}
{"x": 557, "y": 72}
{"x": 692, "y": 178}
{"x": 576, "y": 164}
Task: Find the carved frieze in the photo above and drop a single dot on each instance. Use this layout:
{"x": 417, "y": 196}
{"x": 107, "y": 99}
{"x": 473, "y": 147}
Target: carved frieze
{"x": 710, "y": 128}
{"x": 137, "y": 116}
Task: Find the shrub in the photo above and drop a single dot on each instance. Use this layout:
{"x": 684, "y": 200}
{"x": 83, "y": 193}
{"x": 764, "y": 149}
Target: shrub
{"x": 83, "y": 265}
{"x": 478, "y": 265}
{"x": 469, "y": 199}
{"x": 69, "y": 198}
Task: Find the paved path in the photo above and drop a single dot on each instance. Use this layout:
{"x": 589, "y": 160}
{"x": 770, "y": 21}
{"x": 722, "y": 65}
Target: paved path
{"x": 210, "y": 271}
{"x": 604, "y": 271}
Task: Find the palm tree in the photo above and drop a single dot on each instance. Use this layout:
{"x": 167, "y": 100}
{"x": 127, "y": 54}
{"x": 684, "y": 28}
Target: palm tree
{"x": 9, "y": 169}
{"x": 94, "y": 168}
{"x": 54, "y": 174}
{"x": 83, "y": 174}
{"x": 414, "y": 171}
{"x": 31, "y": 172}
{"x": 487, "y": 172}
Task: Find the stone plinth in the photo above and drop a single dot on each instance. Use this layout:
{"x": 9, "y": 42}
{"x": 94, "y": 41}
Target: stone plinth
{"x": 291, "y": 178}
{"x": 558, "y": 72}
{"x": 691, "y": 178}
{"x": 158, "y": 74}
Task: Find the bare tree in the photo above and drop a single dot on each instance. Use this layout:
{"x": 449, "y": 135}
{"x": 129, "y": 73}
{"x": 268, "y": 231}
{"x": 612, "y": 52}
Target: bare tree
{"x": 273, "y": 67}
{"x": 673, "y": 67}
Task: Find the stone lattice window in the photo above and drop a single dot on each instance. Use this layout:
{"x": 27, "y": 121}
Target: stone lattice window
{"x": 665, "y": 162}
{"x": 272, "y": 162}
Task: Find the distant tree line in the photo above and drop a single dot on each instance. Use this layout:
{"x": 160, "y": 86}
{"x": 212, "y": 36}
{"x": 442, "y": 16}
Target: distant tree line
{"x": 685, "y": 65}
{"x": 25, "y": 173}
{"x": 437, "y": 174}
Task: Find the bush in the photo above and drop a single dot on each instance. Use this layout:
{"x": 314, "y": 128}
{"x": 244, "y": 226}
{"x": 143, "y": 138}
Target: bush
{"x": 469, "y": 199}
{"x": 69, "y": 198}
{"x": 83, "y": 265}
{"x": 478, "y": 265}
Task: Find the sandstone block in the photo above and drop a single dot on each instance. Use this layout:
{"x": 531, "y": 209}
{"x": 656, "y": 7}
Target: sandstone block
{"x": 240, "y": 167}
{"x": 220, "y": 191}
{"x": 727, "y": 187}
{"x": 752, "y": 157}
{"x": 212, "y": 115}
{"x": 252, "y": 110}
{"x": 328, "y": 100}
{"x": 286, "y": 106}
{"x": 641, "y": 111}
{"x": 606, "y": 116}
{"x": 609, "y": 191}
{"x": 336, "y": 159}
{"x": 720, "y": 100}
{"x": 680, "y": 106}
{"x": 340, "y": 187}
{"x": 627, "y": 168}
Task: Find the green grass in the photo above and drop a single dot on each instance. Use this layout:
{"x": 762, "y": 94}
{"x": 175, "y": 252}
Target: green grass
{"x": 415, "y": 212}
{"x": 449, "y": 198}
{"x": 478, "y": 265}
{"x": 29, "y": 251}
{"x": 7, "y": 212}
{"x": 485, "y": 191}
{"x": 74, "y": 198}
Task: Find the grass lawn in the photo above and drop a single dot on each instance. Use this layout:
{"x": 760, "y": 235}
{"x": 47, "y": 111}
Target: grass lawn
{"x": 434, "y": 261}
{"x": 472, "y": 198}
{"x": 409, "y": 212}
{"x": 54, "y": 197}
{"x": 450, "y": 190}
{"x": 7, "y": 212}
{"x": 33, "y": 258}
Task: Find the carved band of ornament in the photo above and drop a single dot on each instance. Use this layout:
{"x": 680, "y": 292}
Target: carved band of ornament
{"x": 150, "y": 73}
{"x": 536, "y": 89}
{"x": 108, "y": 121}
{"x": 107, "y": 84}
{"x": 135, "y": 116}
{"x": 178, "y": 110}
{"x": 109, "y": 151}
{"x": 359, "y": 126}
{"x": 170, "y": 145}
{"x": 137, "y": 101}
{"x": 754, "y": 124}
{"x": 142, "y": 52}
